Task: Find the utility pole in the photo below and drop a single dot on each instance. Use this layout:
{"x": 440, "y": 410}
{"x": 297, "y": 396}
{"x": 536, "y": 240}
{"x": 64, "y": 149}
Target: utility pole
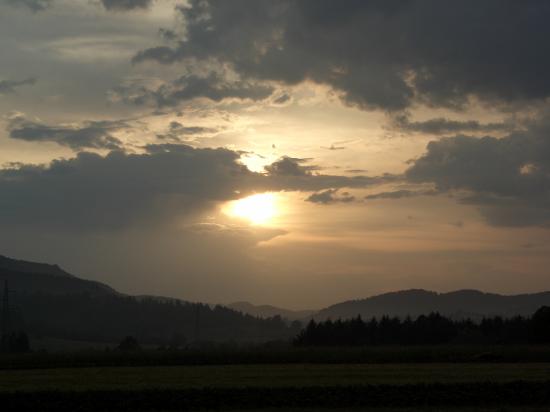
{"x": 5, "y": 315}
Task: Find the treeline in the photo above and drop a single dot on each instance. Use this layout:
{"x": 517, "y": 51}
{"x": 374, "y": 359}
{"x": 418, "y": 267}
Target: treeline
{"x": 172, "y": 323}
{"x": 432, "y": 329}
{"x": 15, "y": 342}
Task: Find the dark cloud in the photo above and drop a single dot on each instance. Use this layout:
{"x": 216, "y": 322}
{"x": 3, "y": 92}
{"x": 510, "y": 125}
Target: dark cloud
{"x": 176, "y": 132}
{"x": 213, "y": 87}
{"x": 290, "y": 166}
{"x": 93, "y": 192}
{"x": 34, "y": 5}
{"x": 399, "y": 194}
{"x": 178, "y": 128}
{"x": 330, "y": 196}
{"x": 333, "y": 147}
{"x": 169, "y": 137}
{"x": 508, "y": 178}
{"x": 441, "y": 125}
{"x": 90, "y": 135}
{"x": 510, "y": 211}
{"x": 10, "y": 86}
{"x": 168, "y": 35}
{"x": 126, "y": 4}
{"x": 116, "y": 5}
{"x": 282, "y": 99}
{"x": 376, "y": 54}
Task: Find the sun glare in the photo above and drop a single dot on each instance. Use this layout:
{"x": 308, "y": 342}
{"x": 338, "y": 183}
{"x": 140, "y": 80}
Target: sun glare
{"x": 259, "y": 209}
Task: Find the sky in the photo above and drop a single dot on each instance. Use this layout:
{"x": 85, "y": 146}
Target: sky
{"x": 293, "y": 152}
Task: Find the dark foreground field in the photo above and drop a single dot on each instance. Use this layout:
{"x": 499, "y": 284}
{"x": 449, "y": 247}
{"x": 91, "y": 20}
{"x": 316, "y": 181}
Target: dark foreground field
{"x": 485, "y": 383}
{"x": 519, "y": 394}
{"x": 266, "y": 376}
{"x": 281, "y": 354}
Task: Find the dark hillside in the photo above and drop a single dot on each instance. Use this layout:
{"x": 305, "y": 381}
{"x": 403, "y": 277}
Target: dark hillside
{"x": 49, "y": 302}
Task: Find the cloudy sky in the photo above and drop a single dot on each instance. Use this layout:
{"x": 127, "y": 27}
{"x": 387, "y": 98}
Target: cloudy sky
{"x": 290, "y": 152}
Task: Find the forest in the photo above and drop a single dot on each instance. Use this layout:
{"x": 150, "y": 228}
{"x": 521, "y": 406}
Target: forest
{"x": 169, "y": 322}
{"x": 431, "y": 329}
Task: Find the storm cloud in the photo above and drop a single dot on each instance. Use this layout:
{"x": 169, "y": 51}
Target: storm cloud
{"x": 328, "y": 106}
{"x": 176, "y": 132}
{"x": 90, "y": 135}
{"x": 178, "y": 128}
{"x": 126, "y": 4}
{"x": 94, "y": 192}
{"x": 34, "y": 5}
{"x": 376, "y": 54}
{"x": 185, "y": 88}
{"x": 508, "y": 178}
{"x": 442, "y": 125}
{"x": 10, "y": 86}
{"x": 115, "y": 5}
{"x": 400, "y": 194}
{"x": 290, "y": 166}
{"x": 330, "y": 196}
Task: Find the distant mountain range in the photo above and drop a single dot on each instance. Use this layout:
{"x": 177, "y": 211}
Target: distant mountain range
{"x": 52, "y": 302}
{"x": 268, "y": 311}
{"x": 48, "y": 302}
{"x": 459, "y": 304}
{"x": 30, "y": 277}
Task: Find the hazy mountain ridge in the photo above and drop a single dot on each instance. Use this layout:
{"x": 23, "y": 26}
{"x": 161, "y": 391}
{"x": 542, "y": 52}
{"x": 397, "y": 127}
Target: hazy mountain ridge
{"x": 29, "y": 278}
{"x": 54, "y": 303}
{"x": 268, "y": 311}
{"x": 49, "y": 302}
{"x": 17, "y": 265}
{"x": 457, "y": 304}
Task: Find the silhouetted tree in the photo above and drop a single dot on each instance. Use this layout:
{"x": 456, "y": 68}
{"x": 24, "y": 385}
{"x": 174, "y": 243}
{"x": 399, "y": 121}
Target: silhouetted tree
{"x": 129, "y": 344}
{"x": 540, "y": 325}
{"x": 107, "y": 318}
{"x": 431, "y": 329}
{"x": 177, "y": 341}
{"x": 16, "y": 343}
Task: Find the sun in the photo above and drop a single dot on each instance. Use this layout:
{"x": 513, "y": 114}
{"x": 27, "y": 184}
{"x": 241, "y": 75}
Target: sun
{"x": 259, "y": 209}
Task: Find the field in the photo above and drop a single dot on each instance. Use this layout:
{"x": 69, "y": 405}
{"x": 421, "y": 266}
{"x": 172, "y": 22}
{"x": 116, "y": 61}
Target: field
{"x": 228, "y": 354}
{"x": 264, "y": 376}
{"x": 146, "y": 382}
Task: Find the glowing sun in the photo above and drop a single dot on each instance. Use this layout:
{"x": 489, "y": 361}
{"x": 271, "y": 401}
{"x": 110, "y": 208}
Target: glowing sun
{"x": 258, "y": 209}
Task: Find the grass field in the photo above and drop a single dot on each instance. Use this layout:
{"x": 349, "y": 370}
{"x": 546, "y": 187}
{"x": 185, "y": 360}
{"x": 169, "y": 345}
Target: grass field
{"x": 282, "y": 354}
{"x": 518, "y": 394}
{"x": 269, "y": 376}
{"x": 467, "y": 378}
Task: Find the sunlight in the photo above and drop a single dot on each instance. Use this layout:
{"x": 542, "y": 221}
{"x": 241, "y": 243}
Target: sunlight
{"x": 256, "y": 163}
{"x": 259, "y": 209}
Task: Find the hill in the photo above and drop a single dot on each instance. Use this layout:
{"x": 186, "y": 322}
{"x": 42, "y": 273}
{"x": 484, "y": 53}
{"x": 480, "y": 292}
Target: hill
{"x": 49, "y": 302}
{"x": 457, "y": 305}
{"x": 268, "y": 311}
{"x": 31, "y": 277}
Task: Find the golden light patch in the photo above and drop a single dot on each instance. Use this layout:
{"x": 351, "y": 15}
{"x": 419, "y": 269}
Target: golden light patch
{"x": 259, "y": 209}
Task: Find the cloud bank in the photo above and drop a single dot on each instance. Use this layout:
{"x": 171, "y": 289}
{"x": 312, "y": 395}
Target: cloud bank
{"x": 508, "y": 178}
{"x": 375, "y": 54}
{"x": 126, "y": 4}
{"x": 10, "y": 86}
{"x": 93, "y": 192}
{"x": 90, "y": 135}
